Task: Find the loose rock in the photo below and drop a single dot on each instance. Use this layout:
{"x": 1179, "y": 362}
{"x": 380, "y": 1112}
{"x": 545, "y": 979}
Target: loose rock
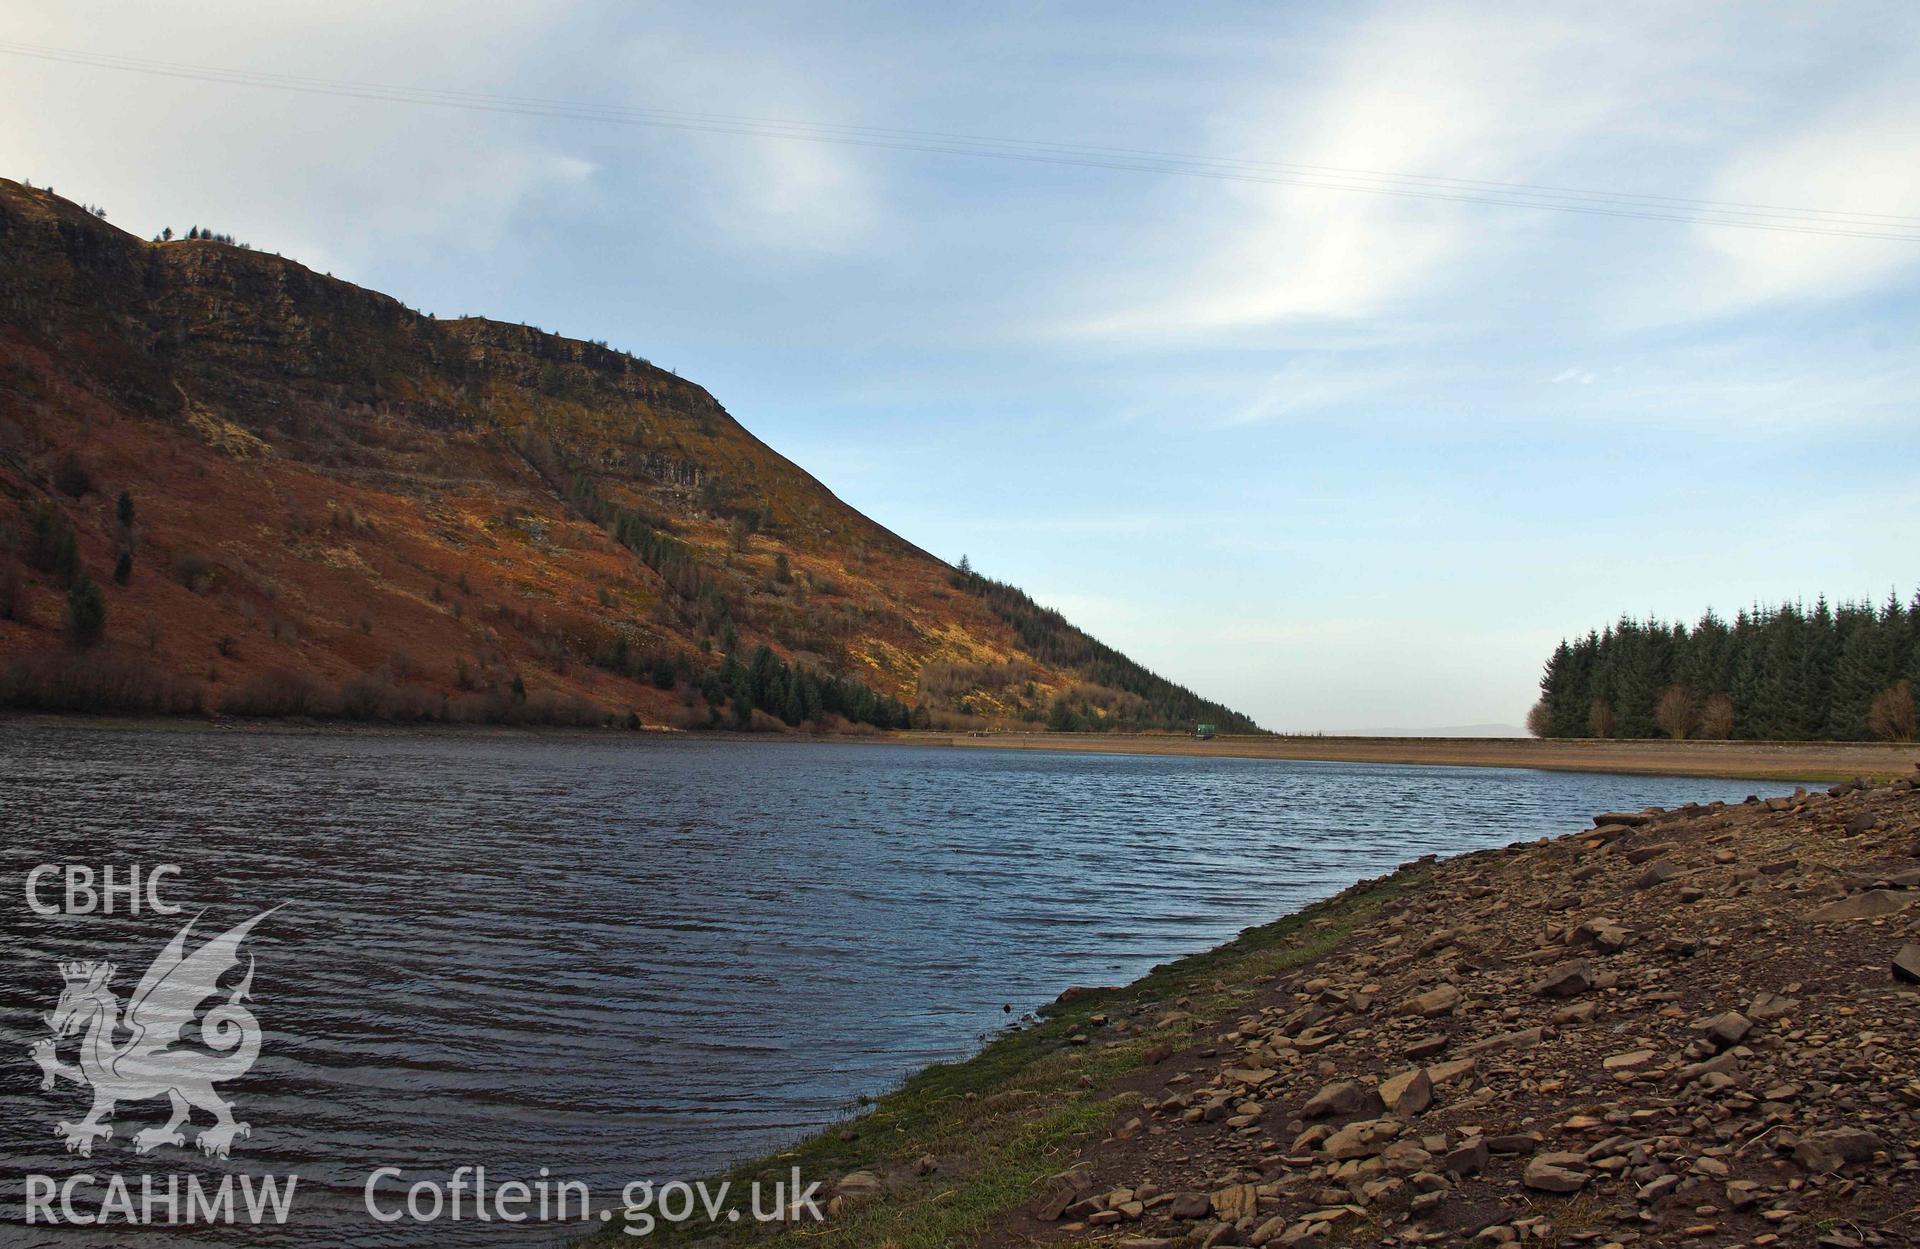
{"x": 1556, "y": 1172}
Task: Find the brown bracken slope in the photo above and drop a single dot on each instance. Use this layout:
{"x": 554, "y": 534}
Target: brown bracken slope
{"x": 340, "y": 505}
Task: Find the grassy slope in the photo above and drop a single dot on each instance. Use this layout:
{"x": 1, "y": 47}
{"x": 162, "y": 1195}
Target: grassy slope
{"x": 1013, "y": 1114}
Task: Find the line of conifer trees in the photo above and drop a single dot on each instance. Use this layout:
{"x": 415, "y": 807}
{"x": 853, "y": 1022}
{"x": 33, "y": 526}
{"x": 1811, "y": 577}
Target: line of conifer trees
{"x": 1785, "y": 673}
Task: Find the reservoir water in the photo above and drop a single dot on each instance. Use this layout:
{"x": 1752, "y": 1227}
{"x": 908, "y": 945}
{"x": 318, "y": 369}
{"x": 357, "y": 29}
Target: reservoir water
{"x": 623, "y": 958}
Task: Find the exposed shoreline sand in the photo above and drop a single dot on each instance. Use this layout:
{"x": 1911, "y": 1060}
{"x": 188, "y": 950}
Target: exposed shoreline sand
{"x": 1824, "y": 761}
{"x": 1784, "y": 761}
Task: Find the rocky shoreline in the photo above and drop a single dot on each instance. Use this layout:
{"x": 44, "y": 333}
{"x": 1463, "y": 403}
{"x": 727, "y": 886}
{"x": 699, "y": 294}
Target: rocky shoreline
{"x": 1696, "y": 1027}
{"x": 1693, "y": 1027}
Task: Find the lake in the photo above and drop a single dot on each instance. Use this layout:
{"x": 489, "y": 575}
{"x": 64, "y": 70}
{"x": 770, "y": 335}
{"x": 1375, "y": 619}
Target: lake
{"x": 624, "y": 958}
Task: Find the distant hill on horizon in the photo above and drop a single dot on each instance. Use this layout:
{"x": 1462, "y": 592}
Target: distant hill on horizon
{"x": 230, "y": 483}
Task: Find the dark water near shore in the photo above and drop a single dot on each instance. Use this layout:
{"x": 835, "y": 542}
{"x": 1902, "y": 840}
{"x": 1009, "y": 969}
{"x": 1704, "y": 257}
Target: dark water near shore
{"x": 625, "y": 959}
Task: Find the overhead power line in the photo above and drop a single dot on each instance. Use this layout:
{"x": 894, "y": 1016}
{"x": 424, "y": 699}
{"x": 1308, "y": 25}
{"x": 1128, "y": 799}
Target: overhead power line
{"x": 1692, "y": 211}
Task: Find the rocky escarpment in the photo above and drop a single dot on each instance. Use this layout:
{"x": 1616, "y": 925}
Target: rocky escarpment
{"x": 1698, "y": 1027}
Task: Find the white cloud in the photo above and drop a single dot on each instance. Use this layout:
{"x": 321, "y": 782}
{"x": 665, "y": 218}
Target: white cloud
{"x": 1646, "y": 100}
{"x": 1445, "y": 94}
{"x": 1863, "y": 156}
{"x": 775, "y": 195}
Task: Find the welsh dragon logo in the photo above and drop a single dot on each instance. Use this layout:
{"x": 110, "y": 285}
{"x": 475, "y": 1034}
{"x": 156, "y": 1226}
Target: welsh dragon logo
{"x": 145, "y": 1054}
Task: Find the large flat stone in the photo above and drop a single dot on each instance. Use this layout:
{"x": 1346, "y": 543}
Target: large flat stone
{"x": 1567, "y": 980}
{"x": 1556, "y": 1173}
{"x": 1439, "y": 1000}
{"x": 1341, "y": 1098}
{"x": 1869, "y": 905}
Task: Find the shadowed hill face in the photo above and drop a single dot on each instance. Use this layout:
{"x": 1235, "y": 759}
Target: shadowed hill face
{"x": 340, "y": 505}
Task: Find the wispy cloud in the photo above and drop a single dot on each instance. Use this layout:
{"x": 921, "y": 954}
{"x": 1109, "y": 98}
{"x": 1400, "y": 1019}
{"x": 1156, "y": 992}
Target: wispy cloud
{"x": 777, "y": 196}
{"x": 1415, "y": 91}
{"x": 1861, "y": 154}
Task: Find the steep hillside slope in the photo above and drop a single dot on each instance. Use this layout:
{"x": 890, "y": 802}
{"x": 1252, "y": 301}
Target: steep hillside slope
{"x": 275, "y": 492}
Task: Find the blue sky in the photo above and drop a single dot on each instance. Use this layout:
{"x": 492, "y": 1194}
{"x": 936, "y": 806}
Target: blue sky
{"x": 1342, "y": 460}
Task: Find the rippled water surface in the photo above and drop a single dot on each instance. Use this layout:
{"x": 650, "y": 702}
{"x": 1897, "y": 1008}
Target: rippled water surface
{"x": 621, "y": 958}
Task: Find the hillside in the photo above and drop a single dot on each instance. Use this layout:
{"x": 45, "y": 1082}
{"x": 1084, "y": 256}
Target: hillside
{"x": 230, "y": 483}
